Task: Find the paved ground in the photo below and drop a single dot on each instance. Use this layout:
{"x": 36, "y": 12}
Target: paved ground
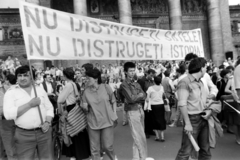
{"x": 226, "y": 148}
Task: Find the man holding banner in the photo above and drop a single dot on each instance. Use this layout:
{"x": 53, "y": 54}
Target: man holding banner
{"x": 21, "y": 106}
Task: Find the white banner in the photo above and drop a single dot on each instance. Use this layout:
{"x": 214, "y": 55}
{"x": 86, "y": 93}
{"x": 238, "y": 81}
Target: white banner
{"x": 51, "y": 34}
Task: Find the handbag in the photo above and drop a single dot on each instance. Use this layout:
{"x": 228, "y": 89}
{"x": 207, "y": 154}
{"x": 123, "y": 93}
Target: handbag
{"x": 76, "y": 119}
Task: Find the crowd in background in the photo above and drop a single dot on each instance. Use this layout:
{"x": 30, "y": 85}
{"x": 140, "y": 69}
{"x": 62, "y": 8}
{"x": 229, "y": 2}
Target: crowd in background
{"x": 157, "y": 77}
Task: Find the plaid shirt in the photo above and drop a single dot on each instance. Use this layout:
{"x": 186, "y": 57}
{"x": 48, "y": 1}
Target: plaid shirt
{"x": 130, "y": 90}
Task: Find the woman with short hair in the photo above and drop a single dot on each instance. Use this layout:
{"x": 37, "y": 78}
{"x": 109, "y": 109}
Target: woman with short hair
{"x": 100, "y": 105}
{"x": 155, "y": 96}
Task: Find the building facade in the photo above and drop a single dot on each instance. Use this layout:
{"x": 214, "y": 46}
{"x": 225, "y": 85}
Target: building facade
{"x": 220, "y": 24}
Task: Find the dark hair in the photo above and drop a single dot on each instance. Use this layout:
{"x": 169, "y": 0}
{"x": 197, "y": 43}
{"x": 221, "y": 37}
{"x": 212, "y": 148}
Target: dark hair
{"x": 158, "y": 80}
{"x": 45, "y": 76}
{"x": 209, "y": 68}
{"x": 87, "y": 66}
{"x": 230, "y": 68}
{"x": 96, "y": 74}
{"x": 196, "y": 65}
{"x": 128, "y": 65}
{"x": 224, "y": 72}
{"x": 151, "y": 71}
{"x": 167, "y": 73}
{"x": 58, "y": 87}
{"x": 190, "y": 56}
{"x": 69, "y": 73}
{"x": 181, "y": 69}
{"x": 221, "y": 66}
{"x": 24, "y": 69}
{"x": 12, "y": 79}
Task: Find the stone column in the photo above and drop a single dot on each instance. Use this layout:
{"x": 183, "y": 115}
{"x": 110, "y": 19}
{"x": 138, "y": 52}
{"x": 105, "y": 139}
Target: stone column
{"x": 38, "y": 64}
{"x": 125, "y": 12}
{"x": 215, "y": 31}
{"x": 80, "y": 8}
{"x": 226, "y": 27}
{"x": 175, "y": 14}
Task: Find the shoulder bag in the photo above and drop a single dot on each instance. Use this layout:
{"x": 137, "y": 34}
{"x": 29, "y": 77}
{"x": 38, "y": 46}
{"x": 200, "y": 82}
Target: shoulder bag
{"x": 76, "y": 119}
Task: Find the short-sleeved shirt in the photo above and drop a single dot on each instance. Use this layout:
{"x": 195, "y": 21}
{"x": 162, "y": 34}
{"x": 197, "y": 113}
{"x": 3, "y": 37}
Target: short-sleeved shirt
{"x": 100, "y": 102}
{"x": 237, "y": 77}
{"x": 191, "y": 93}
{"x": 155, "y": 96}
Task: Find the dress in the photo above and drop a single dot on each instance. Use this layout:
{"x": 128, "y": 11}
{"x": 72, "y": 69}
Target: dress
{"x": 158, "y": 110}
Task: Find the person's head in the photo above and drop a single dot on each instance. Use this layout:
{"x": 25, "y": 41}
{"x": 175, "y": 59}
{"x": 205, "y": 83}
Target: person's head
{"x": 221, "y": 67}
{"x": 23, "y": 76}
{"x": 68, "y": 74}
{"x": 225, "y": 73}
{"x": 77, "y": 72}
{"x": 158, "y": 80}
{"x": 231, "y": 69}
{"x": 9, "y": 57}
{"x": 47, "y": 68}
{"x": 18, "y": 63}
{"x": 59, "y": 88}
{"x": 86, "y": 67}
{"x": 151, "y": 73}
{"x": 167, "y": 73}
{"x": 209, "y": 70}
{"x": 93, "y": 77}
{"x": 140, "y": 70}
{"x": 198, "y": 66}
{"x": 11, "y": 79}
{"x": 189, "y": 57}
{"x": 129, "y": 69}
{"x": 47, "y": 77}
{"x": 181, "y": 70}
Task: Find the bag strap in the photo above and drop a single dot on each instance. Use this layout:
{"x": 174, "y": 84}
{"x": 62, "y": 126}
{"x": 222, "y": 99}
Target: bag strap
{"x": 74, "y": 90}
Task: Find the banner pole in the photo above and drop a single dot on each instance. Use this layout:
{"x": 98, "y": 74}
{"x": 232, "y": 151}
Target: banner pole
{"x": 35, "y": 92}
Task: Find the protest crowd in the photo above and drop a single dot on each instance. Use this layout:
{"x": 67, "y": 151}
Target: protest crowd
{"x": 80, "y": 103}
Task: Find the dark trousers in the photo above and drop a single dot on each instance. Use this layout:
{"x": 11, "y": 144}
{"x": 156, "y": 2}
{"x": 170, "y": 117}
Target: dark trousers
{"x": 201, "y": 135}
{"x": 148, "y": 123}
{"x": 27, "y": 142}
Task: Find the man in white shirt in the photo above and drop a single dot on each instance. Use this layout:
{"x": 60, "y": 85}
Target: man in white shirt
{"x": 21, "y": 105}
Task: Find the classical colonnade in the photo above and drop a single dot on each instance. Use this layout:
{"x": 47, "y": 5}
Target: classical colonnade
{"x": 218, "y": 23}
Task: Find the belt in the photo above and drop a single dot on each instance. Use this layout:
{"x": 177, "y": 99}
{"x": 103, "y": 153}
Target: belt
{"x": 34, "y": 129}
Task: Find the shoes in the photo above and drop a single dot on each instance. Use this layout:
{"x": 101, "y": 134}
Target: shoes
{"x": 162, "y": 140}
{"x": 157, "y": 139}
{"x": 72, "y": 158}
{"x": 125, "y": 123}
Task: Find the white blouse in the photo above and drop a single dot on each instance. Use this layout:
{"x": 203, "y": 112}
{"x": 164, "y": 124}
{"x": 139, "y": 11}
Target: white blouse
{"x": 155, "y": 96}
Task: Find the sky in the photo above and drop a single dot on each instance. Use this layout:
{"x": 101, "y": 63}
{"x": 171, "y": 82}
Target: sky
{"x": 14, "y": 3}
